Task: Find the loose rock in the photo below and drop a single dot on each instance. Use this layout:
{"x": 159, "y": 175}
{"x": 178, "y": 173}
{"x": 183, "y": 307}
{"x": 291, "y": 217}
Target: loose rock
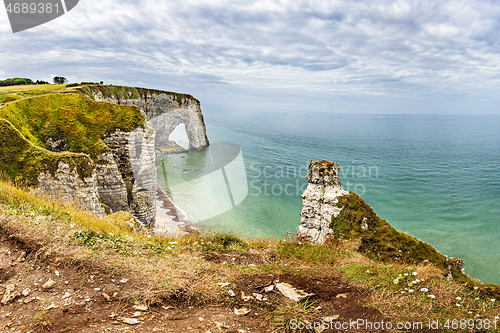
{"x": 10, "y": 294}
{"x": 140, "y": 307}
{"x": 241, "y": 312}
{"x": 292, "y": 293}
{"x": 131, "y": 321}
{"x": 49, "y": 284}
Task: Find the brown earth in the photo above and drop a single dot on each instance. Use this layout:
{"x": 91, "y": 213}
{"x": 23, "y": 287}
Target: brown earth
{"x": 86, "y": 297}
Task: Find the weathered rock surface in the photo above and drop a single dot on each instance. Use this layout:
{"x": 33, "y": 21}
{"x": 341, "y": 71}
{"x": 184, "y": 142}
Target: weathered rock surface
{"x": 320, "y": 200}
{"x": 165, "y": 111}
{"x": 128, "y": 180}
{"x": 68, "y": 185}
{"x": 10, "y": 294}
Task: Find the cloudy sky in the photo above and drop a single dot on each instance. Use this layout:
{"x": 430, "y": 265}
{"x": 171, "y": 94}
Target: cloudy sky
{"x": 344, "y": 56}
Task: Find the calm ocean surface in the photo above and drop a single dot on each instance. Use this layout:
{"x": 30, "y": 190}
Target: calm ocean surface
{"x": 435, "y": 177}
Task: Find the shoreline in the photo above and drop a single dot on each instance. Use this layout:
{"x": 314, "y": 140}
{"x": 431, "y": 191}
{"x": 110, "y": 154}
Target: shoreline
{"x": 171, "y": 221}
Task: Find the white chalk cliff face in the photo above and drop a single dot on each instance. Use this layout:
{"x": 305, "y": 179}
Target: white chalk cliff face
{"x": 164, "y": 111}
{"x": 320, "y": 200}
{"x": 67, "y": 185}
{"x": 127, "y": 175}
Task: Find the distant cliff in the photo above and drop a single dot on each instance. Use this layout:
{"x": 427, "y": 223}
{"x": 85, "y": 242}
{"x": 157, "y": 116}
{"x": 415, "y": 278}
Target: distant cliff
{"x": 164, "y": 110}
{"x": 95, "y": 145}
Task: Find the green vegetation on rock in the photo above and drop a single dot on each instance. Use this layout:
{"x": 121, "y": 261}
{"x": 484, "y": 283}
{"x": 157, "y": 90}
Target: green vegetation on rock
{"x": 378, "y": 239}
{"x": 70, "y": 121}
{"x": 123, "y": 93}
{"x": 22, "y": 160}
{"x": 33, "y": 131}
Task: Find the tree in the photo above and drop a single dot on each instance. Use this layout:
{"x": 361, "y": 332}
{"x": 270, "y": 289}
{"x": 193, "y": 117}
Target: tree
{"x": 60, "y": 80}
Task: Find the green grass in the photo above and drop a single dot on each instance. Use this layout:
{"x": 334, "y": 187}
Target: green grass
{"x": 13, "y": 93}
{"x": 23, "y": 161}
{"x": 76, "y": 122}
{"x": 380, "y": 241}
{"x": 328, "y": 254}
{"x": 122, "y": 92}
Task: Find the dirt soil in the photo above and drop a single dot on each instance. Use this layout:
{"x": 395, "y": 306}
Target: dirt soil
{"x": 42, "y": 293}
{"x": 87, "y": 299}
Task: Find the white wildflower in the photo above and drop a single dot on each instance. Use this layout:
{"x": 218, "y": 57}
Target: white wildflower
{"x": 405, "y": 274}
{"x": 432, "y": 296}
{"x": 411, "y": 290}
{"x": 459, "y": 305}
{"x": 424, "y": 290}
{"x": 459, "y": 298}
{"x": 396, "y": 281}
{"x": 414, "y": 273}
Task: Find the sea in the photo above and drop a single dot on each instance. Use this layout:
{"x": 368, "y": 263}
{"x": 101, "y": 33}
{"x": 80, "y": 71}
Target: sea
{"x": 436, "y": 177}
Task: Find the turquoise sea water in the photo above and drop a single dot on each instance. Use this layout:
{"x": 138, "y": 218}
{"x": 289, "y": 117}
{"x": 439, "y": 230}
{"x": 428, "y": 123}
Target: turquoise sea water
{"x": 435, "y": 177}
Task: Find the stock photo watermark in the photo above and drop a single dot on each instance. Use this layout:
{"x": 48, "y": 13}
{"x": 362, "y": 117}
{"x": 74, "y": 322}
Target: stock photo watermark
{"x": 279, "y": 180}
{"x": 26, "y": 14}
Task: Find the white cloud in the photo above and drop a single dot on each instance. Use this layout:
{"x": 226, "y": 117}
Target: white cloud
{"x": 381, "y": 47}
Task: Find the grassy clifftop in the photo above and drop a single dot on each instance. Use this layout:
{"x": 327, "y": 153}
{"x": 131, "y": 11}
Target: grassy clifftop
{"x": 77, "y": 122}
{"x": 22, "y": 160}
{"x": 35, "y": 129}
{"x": 124, "y": 92}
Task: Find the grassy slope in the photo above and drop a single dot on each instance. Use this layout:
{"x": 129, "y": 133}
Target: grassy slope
{"x": 181, "y": 274}
{"x": 72, "y": 117}
{"x": 22, "y": 160}
{"x": 14, "y": 93}
{"x": 78, "y": 122}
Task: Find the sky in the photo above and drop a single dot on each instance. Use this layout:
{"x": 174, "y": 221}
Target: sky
{"x": 344, "y": 56}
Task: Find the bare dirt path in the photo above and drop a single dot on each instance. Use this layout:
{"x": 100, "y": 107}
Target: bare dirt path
{"x": 45, "y": 296}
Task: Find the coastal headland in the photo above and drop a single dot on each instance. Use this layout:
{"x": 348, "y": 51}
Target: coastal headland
{"x": 79, "y": 198}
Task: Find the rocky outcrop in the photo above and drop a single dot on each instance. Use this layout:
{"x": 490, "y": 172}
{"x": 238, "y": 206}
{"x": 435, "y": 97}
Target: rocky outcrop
{"x": 320, "y": 200}
{"x": 52, "y": 137}
{"x": 331, "y": 213}
{"x": 68, "y": 185}
{"x": 164, "y": 111}
{"x": 134, "y": 188}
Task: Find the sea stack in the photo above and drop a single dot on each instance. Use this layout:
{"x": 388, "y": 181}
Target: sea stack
{"x": 320, "y": 201}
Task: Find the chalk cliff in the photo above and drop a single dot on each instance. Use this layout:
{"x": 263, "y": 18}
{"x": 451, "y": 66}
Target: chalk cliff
{"x": 320, "y": 200}
{"x": 163, "y": 110}
{"x": 96, "y": 145}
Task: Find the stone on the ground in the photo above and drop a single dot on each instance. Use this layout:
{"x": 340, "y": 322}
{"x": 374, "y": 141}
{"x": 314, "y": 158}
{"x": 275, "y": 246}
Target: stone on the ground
{"x": 49, "y": 284}
{"x": 331, "y": 318}
{"x": 241, "y": 312}
{"x": 10, "y": 294}
{"x": 140, "y": 307}
{"x": 292, "y": 293}
{"x": 131, "y": 321}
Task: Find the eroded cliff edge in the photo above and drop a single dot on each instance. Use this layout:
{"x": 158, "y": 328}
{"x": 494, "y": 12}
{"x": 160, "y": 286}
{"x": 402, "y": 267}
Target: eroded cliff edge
{"x": 163, "y": 110}
{"x": 100, "y": 151}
